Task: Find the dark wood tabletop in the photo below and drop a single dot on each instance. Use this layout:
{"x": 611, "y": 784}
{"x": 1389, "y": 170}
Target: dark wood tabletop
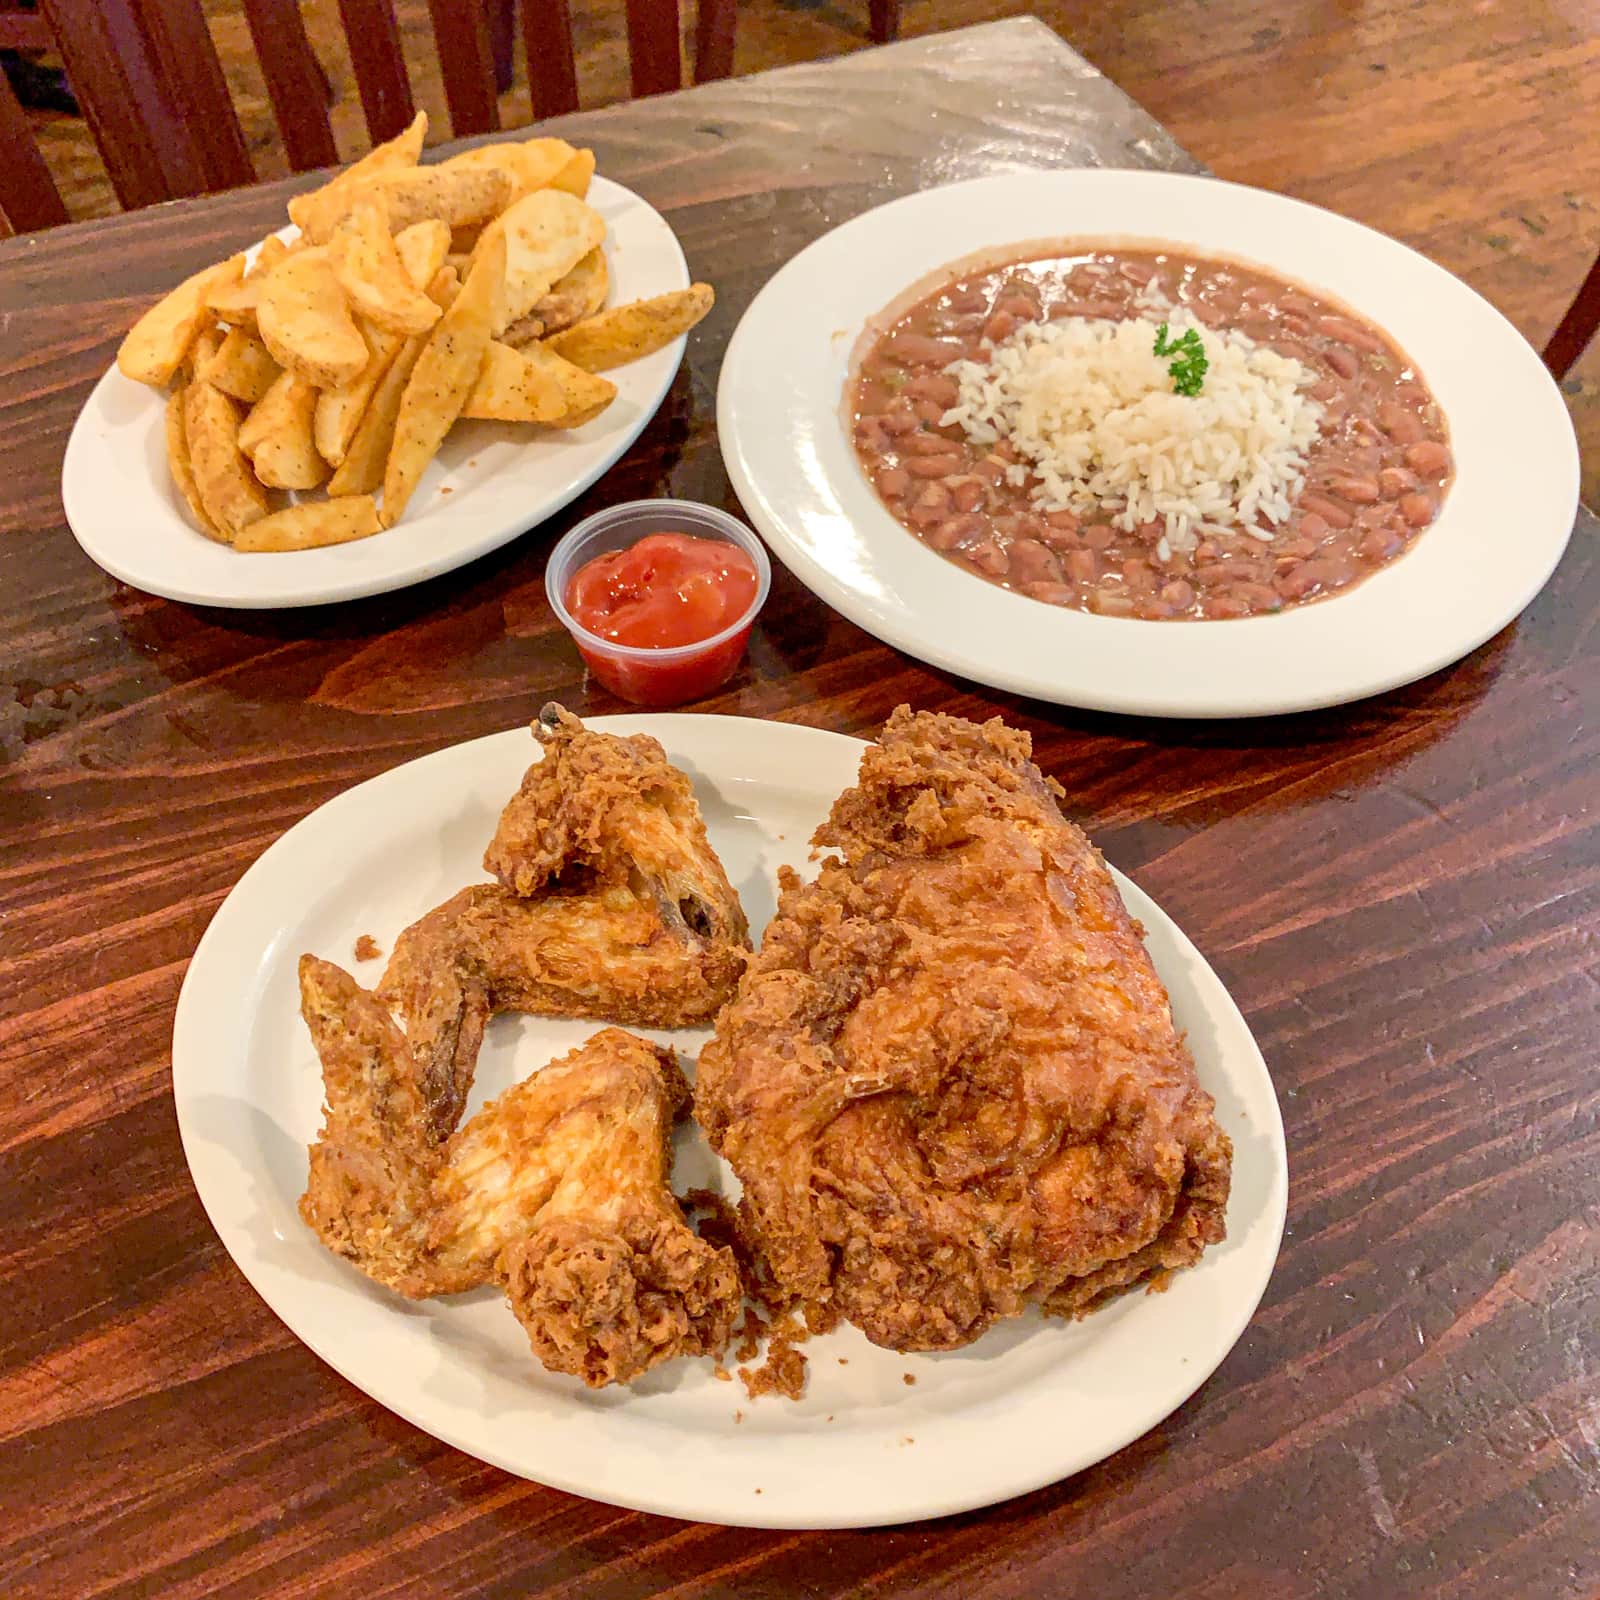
{"x": 1402, "y": 896}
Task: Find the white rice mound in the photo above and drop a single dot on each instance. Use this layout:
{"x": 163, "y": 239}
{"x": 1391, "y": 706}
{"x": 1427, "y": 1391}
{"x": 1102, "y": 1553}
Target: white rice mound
{"x": 1091, "y": 406}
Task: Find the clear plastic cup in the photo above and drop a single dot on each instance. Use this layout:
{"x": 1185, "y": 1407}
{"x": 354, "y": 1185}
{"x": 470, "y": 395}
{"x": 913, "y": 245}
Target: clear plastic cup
{"x": 668, "y": 675}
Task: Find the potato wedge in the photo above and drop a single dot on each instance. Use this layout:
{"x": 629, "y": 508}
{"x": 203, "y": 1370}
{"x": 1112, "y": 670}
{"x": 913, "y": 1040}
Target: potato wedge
{"x": 339, "y": 411}
{"x": 269, "y": 253}
{"x": 529, "y": 163}
{"x": 242, "y": 366}
{"x": 277, "y": 436}
{"x": 182, "y": 468}
{"x": 157, "y": 343}
{"x": 443, "y": 378}
{"x": 305, "y": 322}
{"x": 367, "y": 264}
{"x": 202, "y": 352}
{"x": 517, "y": 387}
{"x": 423, "y": 247}
{"x": 228, "y": 489}
{"x": 576, "y": 176}
{"x": 312, "y": 524}
{"x": 546, "y": 235}
{"x": 458, "y": 196}
{"x": 395, "y": 155}
{"x": 626, "y": 333}
{"x": 578, "y": 295}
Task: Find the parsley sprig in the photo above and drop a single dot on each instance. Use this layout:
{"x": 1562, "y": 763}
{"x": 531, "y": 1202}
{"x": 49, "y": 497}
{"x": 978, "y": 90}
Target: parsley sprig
{"x": 1188, "y": 371}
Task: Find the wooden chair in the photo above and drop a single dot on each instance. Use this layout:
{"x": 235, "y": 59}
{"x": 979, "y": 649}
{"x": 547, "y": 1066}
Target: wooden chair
{"x": 152, "y": 88}
{"x": 1577, "y": 327}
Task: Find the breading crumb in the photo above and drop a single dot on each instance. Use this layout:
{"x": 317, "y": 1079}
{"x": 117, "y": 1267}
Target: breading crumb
{"x": 368, "y": 948}
{"x": 783, "y": 1372}
{"x": 908, "y": 1378}
{"x": 721, "y": 1374}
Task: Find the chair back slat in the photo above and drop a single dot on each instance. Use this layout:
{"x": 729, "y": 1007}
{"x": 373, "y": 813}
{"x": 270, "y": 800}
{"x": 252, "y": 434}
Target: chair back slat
{"x": 654, "y": 50}
{"x": 552, "y": 69}
{"x": 713, "y": 39}
{"x": 295, "y": 84}
{"x": 466, "y": 62}
{"x": 30, "y": 198}
{"x": 380, "y": 66}
{"x": 119, "y": 58}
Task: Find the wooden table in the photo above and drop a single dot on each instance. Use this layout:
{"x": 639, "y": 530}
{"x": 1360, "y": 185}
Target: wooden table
{"x": 1401, "y": 895}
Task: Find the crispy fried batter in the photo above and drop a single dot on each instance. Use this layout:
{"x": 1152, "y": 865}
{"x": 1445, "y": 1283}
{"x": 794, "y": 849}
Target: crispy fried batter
{"x": 558, "y": 1191}
{"x": 950, "y": 1082}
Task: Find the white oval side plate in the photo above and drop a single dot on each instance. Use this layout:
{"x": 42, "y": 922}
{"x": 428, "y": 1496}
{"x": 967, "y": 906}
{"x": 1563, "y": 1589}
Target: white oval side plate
{"x": 1031, "y": 1402}
{"x": 489, "y": 483}
{"x": 1498, "y": 538}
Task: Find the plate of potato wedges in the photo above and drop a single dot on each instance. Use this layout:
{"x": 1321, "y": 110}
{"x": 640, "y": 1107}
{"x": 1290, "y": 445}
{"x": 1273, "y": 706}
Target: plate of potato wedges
{"x": 426, "y": 362}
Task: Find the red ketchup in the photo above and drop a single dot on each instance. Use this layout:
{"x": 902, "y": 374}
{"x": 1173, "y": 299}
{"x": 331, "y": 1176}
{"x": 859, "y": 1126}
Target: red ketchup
{"x": 662, "y": 594}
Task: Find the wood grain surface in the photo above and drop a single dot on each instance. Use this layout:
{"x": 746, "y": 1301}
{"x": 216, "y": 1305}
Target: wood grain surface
{"x": 1402, "y": 895}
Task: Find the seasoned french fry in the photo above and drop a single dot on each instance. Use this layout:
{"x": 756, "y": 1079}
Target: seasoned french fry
{"x": 157, "y": 343}
{"x": 578, "y": 295}
{"x": 360, "y": 471}
{"x": 367, "y": 264}
{"x": 546, "y": 234}
{"x": 183, "y": 470}
{"x": 517, "y": 386}
{"x": 313, "y": 523}
{"x": 576, "y": 176}
{"x": 228, "y": 489}
{"x": 423, "y": 247}
{"x": 396, "y": 155}
{"x": 277, "y": 436}
{"x": 442, "y": 379}
{"x": 270, "y": 252}
{"x": 202, "y": 352}
{"x": 305, "y": 322}
{"x": 630, "y": 332}
{"x": 242, "y": 366}
{"x": 529, "y": 164}
{"x": 456, "y": 195}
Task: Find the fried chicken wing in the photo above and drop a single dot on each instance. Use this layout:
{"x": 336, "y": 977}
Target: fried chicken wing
{"x": 950, "y": 1081}
{"x": 557, "y": 1191}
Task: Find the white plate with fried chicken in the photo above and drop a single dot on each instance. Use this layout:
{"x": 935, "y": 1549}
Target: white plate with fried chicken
{"x": 969, "y": 1130}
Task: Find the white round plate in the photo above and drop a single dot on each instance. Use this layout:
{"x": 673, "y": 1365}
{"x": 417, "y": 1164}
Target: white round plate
{"x": 490, "y": 481}
{"x": 1031, "y": 1402}
{"x": 1499, "y": 536}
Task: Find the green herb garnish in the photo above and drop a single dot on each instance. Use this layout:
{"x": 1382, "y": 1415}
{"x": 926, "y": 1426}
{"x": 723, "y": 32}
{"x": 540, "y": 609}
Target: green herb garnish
{"x": 1188, "y": 371}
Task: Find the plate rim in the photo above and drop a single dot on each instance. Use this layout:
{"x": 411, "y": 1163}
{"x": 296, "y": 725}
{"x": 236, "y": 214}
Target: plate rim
{"x": 665, "y": 1500}
{"x": 296, "y": 596}
{"x": 1081, "y": 633}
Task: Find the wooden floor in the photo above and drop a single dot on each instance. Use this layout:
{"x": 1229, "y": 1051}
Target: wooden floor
{"x": 1464, "y": 127}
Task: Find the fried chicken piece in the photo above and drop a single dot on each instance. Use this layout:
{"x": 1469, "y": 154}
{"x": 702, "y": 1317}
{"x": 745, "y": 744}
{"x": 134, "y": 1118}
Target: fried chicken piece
{"x": 557, "y": 1190}
{"x": 612, "y": 905}
{"x": 950, "y": 1082}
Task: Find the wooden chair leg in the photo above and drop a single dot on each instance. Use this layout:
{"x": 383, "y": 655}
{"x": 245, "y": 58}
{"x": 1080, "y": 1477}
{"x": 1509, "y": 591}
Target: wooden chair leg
{"x": 1577, "y": 328}
{"x": 884, "y": 18}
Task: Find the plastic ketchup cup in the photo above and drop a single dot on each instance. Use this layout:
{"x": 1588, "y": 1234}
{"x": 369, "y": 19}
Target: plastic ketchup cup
{"x": 656, "y": 675}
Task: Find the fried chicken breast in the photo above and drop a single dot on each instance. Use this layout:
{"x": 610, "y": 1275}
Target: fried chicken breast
{"x": 558, "y": 1191}
{"x": 950, "y": 1083}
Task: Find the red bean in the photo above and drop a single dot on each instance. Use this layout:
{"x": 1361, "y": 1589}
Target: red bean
{"x": 1396, "y": 481}
{"x": 1293, "y": 322}
{"x": 1098, "y": 536}
{"x": 1178, "y": 594}
{"x": 1428, "y": 457}
{"x": 899, "y": 422}
{"x": 934, "y": 466}
{"x": 967, "y": 494}
{"x": 1257, "y": 596}
{"x": 1227, "y": 604}
{"x": 1342, "y": 361}
{"x": 1055, "y": 594}
{"x": 871, "y": 434}
{"x": 968, "y": 300}
{"x": 1139, "y": 272}
{"x": 1061, "y": 521}
{"x": 929, "y": 411}
{"x": 1325, "y": 390}
{"x": 1403, "y": 426}
{"x": 1358, "y": 491}
{"x": 1111, "y": 605}
{"x": 931, "y": 505}
{"x": 1082, "y": 565}
{"x": 1312, "y": 526}
{"x": 954, "y": 531}
{"x": 1032, "y": 562}
{"x": 893, "y": 482}
{"x": 925, "y": 444}
{"x": 1138, "y": 576}
{"x": 1350, "y": 333}
{"x": 1417, "y": 509}
{"x": 1330, "y": 511}
{"x": 936, "y": 387}
{"x": 1151, "y": 608}
{"x": 1019, "y": 305}
{"x": 1378, "y": 544}
{"x": 1000, "y": 326}
{"x": 918, "y": 350}
{"x": 988, "y": 557}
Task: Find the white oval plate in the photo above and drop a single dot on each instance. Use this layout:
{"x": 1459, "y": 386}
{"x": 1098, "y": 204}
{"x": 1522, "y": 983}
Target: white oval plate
{"x": 1499, "y": 536}
{"x": 490, "y": 481}
{"x": 1027, "y": 1404}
